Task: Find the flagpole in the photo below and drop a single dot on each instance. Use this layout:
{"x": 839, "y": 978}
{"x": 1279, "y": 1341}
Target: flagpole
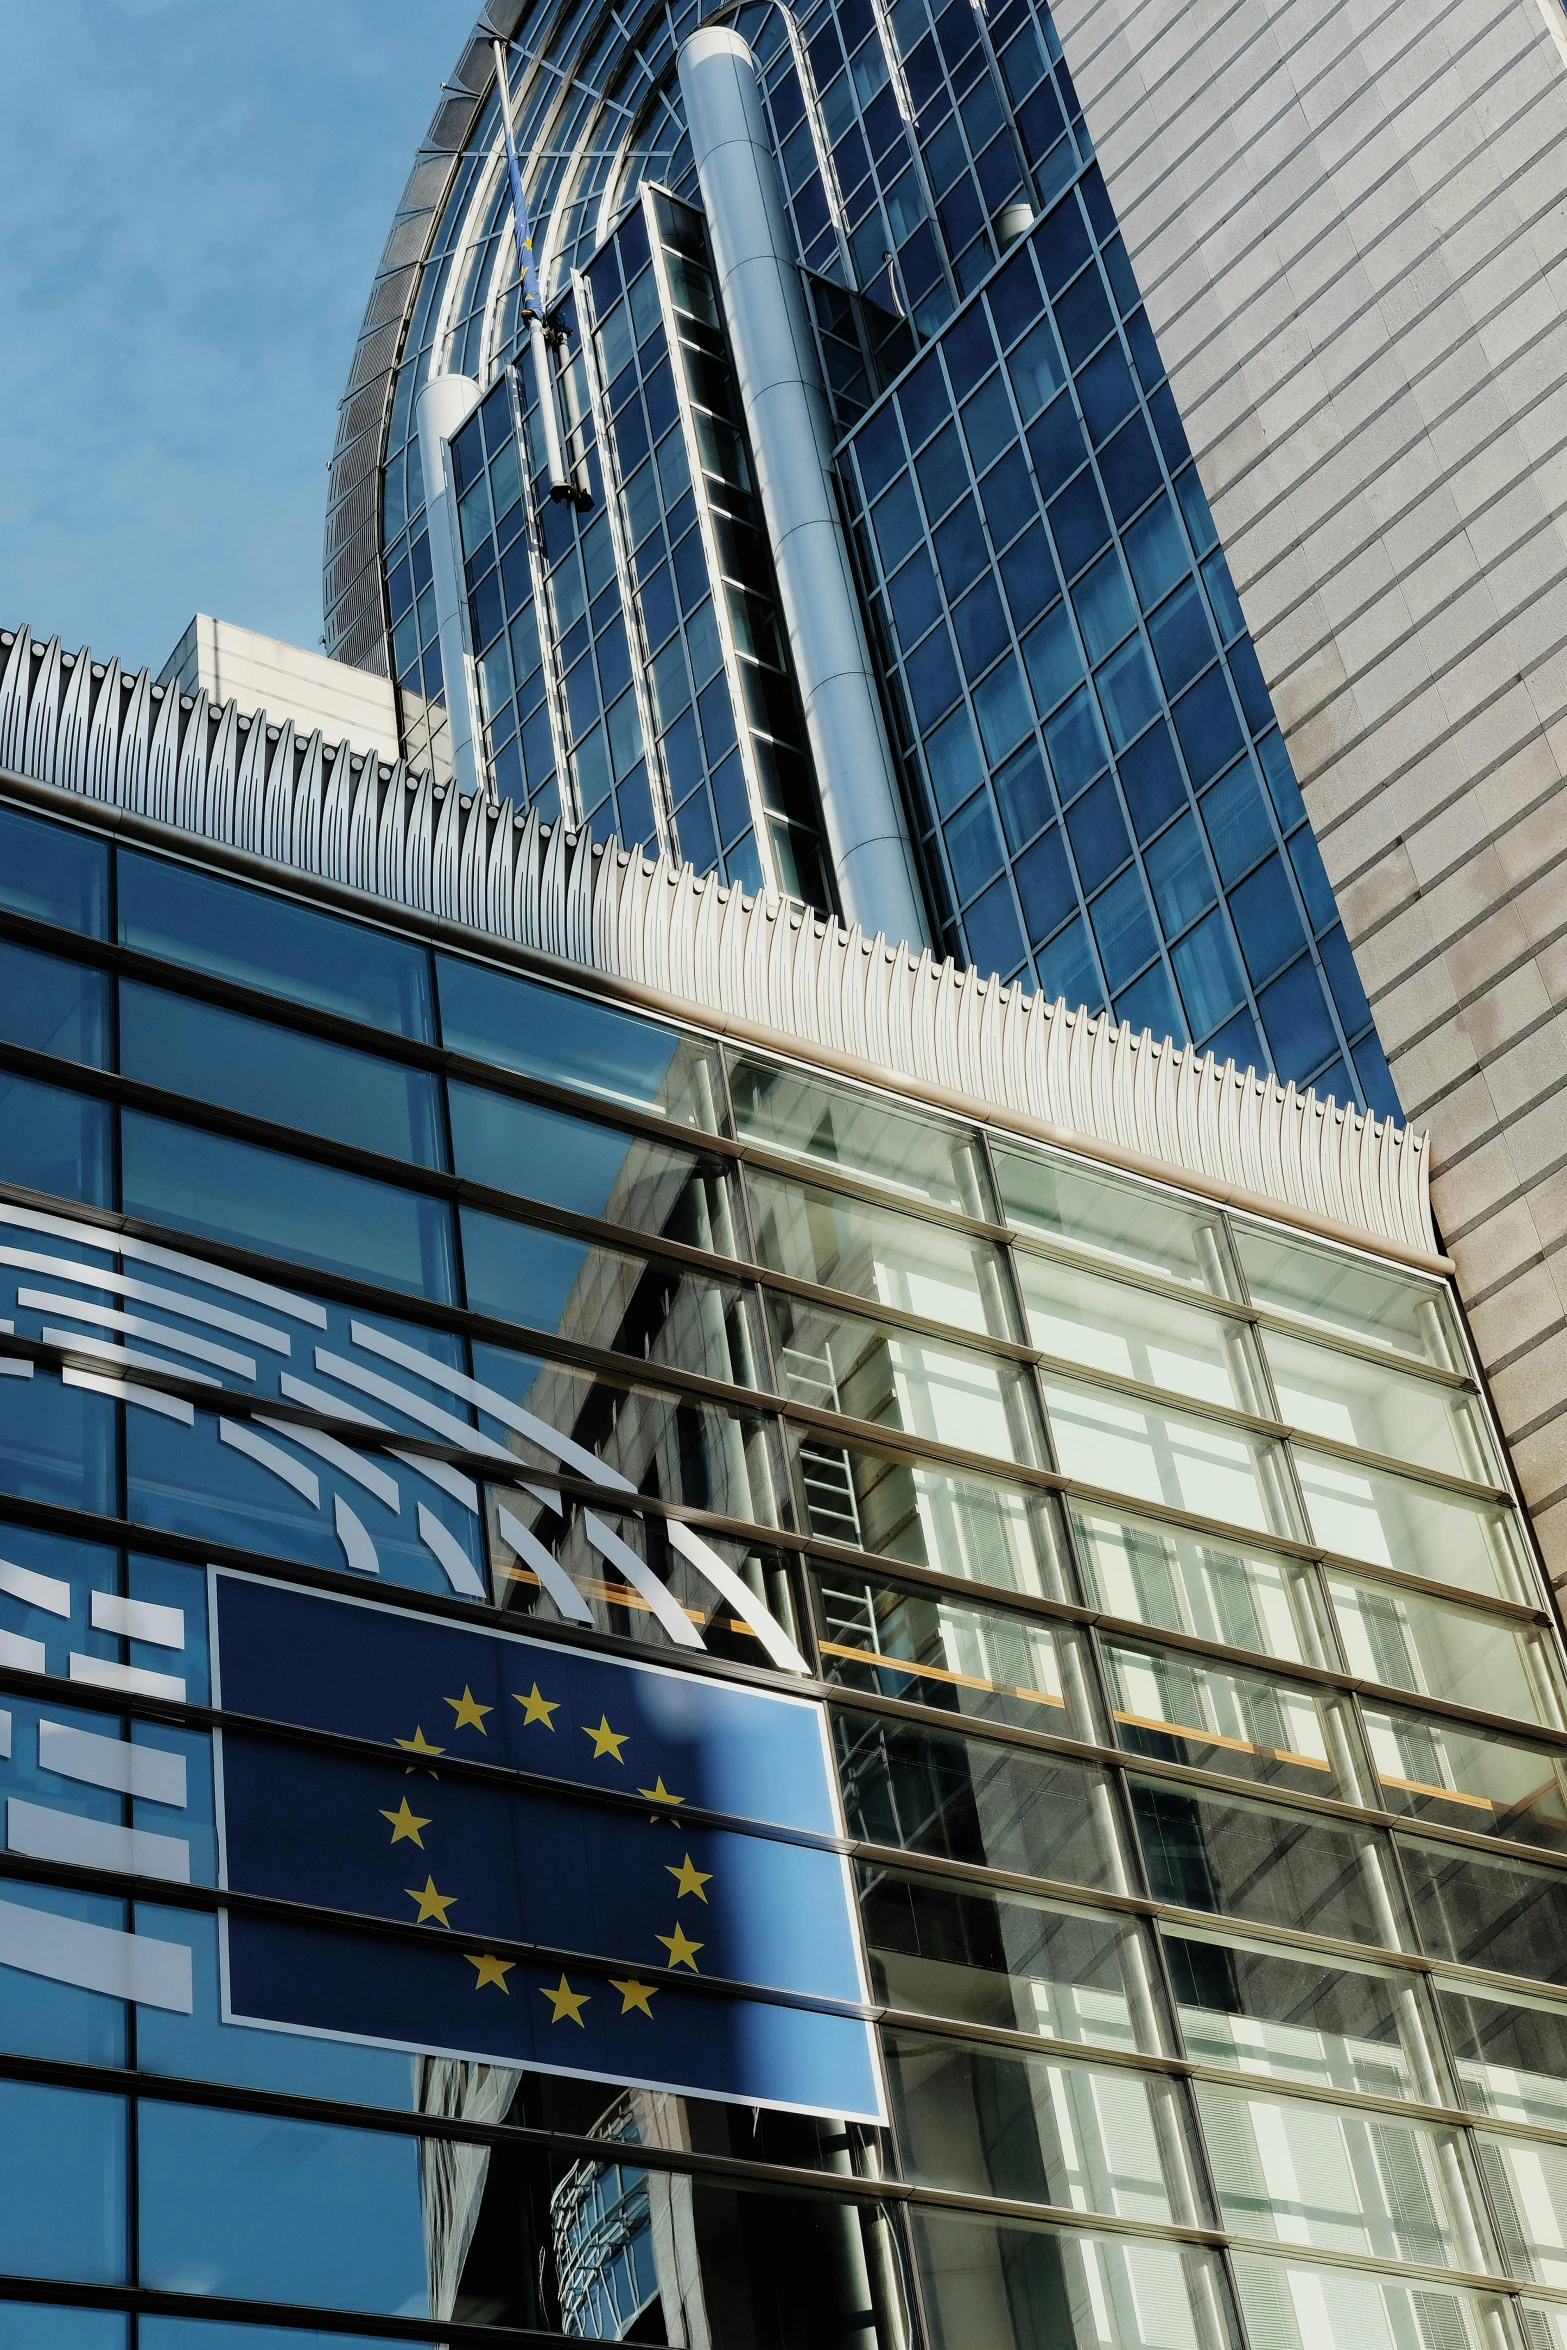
{"x": 532, "y": 303}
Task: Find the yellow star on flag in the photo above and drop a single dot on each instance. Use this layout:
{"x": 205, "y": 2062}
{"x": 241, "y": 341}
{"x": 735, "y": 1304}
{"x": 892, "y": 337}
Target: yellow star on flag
{"x": 566, "y": 2002}
{"x": 470, "y": 1713}
{"x": 538, "y": 1709}
{"x": 681, "y": 1951}
{"x": 419, "y": 1744}
{"x": 633, "y": 1994}
{"x": 605, "y": 1740}
{"x": 690, "y": 1878}
{"x": 491, "y": 1970}
{"x": 660, "y": 1794}
{"x": 431, "y": 1903}
{"x": 406, "y": 1823}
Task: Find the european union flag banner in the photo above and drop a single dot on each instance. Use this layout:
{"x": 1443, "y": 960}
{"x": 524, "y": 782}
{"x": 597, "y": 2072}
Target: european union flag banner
{"x": 639, "y": 1905}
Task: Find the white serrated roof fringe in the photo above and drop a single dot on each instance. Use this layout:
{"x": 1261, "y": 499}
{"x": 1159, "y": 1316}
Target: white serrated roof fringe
{"x": 311, "y": 807}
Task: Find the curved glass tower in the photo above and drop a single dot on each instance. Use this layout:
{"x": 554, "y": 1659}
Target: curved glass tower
{"x": 947, "y": 643}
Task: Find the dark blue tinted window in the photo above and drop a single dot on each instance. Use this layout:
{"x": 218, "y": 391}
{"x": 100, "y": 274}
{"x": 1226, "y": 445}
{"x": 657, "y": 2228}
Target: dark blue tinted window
{"x": 545, "y": 1032}
{"x": 994, "y": 941}
{"x": 1044, "y": 883}
{"x": 1179, "y": 875}
{"x": 1130, "y": 468}
{"x": 1266, "y": 921}
{"x": 1152, "y": 781}
{"x": 53, "y": 1006}
{"x": 62, "y": 2183}
{"x": 236, "y": 1191}
{"x": 1209, "y": 731}
{"x": 1237, "y": 819}
{"x": 1295, "y": 1017}
{"x": 1023, "y": 795}
{"x": 279, "y": 1074}
{"x": 269, "y": 942}
{"x": 1123, "y": 928}
{"x": 1055, "y": 442}
{"x": 1098, "y": 834}
{"x": 915, "y": 599}
{"x": 55, "y": 1141}
{"x": 54, "y": 873}
{"x": 1208, "y": 973}
{"x": 1080, "y": 524}
{"x": 1344, "y": 980}
{"x": 58, "y": 1444}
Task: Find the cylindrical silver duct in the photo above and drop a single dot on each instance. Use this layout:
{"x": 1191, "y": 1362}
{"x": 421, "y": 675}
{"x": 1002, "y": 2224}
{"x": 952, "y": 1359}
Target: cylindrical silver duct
{"x": 443, "y": 408}
{"x": 786, "y": 415}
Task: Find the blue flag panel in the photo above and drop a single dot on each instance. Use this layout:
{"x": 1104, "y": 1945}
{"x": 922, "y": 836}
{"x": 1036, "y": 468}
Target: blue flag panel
{"x": 659, "y": 1902}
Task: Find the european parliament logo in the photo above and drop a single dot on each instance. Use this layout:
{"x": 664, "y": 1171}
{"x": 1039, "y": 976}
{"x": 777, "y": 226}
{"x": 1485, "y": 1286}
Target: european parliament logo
{"x": 640, "y": 1882}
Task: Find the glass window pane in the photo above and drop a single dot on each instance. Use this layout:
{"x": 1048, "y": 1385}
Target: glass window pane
{"x": 1528, "y": 2183}
{"x": 279, "y": 1074}
{"x": 606, "y": 1297}
{"x": 1035, "y": 2129}
{"x": 37, "y": 2325}
{"x": 1503, "y": 1914}
{"x": 783, "y": 1109}
{"x": 1379, "y": 1410}
{"x": 1392, "y": 1521}
{"x": 1467, "y": 1778}
{"x": 931, "y": 1650}
{"x": 1012, "y": 2287}
{"x": 980, "y": 1529}
{"x": 1203, "y": 1467}
{"x": 1257, "y": 1861}
{"x": 62, "y": 2183}
{"x": 1294, "y": 2171}
{"x": 1135, "y": 1334}
{"x": 264, "y": 2209}
{"x": 55, "y": 1141}
{"x": 1178, "y": 1709}
{"x": 1131, "y": 1223}
{"x": 1256, "y": 2009}
{"x": 53, "y": 1006}
{"x": 1406, "y": 1640}
{"x": 236, "y": 1191}
{"x": 1509, "y": 2053}
{"x": 1014, "y": 1960}
{"x": 1337, "y": 1290}
{"x": 597, "y": 1170}
{"x": 842, "y": 1243}
{"x": 1291, "y": 2306}
{"x": 998, "y": 1806}
{"x": 54, "y": 873}
{"x": 929, "y": 1388}
{"x": 549, "y": 1033}
{"x": 1158, "y": 1575}
{"x": 264, "y": 941}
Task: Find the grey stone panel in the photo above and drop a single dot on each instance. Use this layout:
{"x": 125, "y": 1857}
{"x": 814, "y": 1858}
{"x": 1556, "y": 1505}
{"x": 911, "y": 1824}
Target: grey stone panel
{"x": 1350, "y": 230}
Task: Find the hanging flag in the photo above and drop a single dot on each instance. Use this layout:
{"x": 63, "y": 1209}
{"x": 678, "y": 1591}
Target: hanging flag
{"x": 638, "y": 1907}
{"x": 532, "y": 306}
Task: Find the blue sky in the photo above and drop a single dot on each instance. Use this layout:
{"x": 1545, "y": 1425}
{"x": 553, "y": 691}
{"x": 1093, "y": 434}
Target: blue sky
{"x": 195, "y": 195}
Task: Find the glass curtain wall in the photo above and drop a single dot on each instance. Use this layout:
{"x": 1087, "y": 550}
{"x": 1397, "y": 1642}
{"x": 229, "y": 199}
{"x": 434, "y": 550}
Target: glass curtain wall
{"x": 1197, "y": 1706}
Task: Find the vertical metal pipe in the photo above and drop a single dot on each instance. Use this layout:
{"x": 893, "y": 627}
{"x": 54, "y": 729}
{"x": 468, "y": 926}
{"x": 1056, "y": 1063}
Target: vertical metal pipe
{"x": 443, "y": 408}
{"x": 786, "y": 416}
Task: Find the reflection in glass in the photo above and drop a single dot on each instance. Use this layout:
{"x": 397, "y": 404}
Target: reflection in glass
{"x": 928, "y": 1387}
{"x": 1134, "y": 1224}
{"x": 1183, "y": 1583}
{"x": 1378, "y": 1410}
{"x": 1509, "y": 2053}
{"x": 565, "y": 1039}
{"x": 1137, "y": 1334}
{"x": 982, "y": 1530}
{"x": 52, "y": 1006}
{"x": 1504, "y": 1914}
{"x": 1294, "y": 2307}
{"x": 1199, "y": 1466}
{"x": 1013, "y": 1960}
{"x": 1416, "y": 1529}
{"x": 1257, "y": 2009}
{"x": 899, "y": 1260}
{"x": 658, "y": 1311}
{"x": 1528, "y": 2183}
{"x": 1258, "y": 1861}
{"x": 597, "y": 1170}
{"x": 1297, "y": 2172}
{"x": 1180, "y": 1709}
{"x": 1462, "y": 1777}
{"x": 999, "y": 1806}
{"x": 923, "y": 1155}
{"x": 932, "y": 1650}
{"x": 1407, "y": 1640}
{"x": 63, "y": 2165}
{"x": 1035, "y": 2129}
{"x": 1334, "y": 1289}
{"x": 1007, "y": 2286}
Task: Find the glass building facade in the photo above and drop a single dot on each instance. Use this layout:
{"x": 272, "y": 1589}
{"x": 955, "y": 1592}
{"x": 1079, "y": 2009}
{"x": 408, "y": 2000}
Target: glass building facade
{"x": 1090, "y": 771}
{"x": 1194, "y": 1705}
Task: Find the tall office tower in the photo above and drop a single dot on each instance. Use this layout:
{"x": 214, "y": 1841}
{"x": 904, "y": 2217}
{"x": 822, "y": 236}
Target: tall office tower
{"x": 878, "y": 571}
{"x": 709, "y": 1638}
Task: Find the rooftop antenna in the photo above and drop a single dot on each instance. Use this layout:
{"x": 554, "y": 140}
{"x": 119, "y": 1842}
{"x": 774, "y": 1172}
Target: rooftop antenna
{"x": 532, "y": 304}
